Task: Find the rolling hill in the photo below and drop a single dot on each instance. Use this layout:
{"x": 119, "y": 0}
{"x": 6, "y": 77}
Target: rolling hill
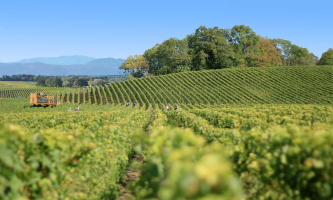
{"x": 273, "y": 85}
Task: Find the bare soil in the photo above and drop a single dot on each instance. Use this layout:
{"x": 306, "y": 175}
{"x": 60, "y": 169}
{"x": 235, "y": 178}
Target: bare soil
{"x": 128, "y": 178}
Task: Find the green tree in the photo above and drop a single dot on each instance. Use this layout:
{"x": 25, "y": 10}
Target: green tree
{"x": 299, "y": 56}
{"x": 242, "y": 38}
{"x": 70, "y": 82}
{"x": 294, "y": 55}
{"x": 41, "y": 82}
{"x": 284, "y": 47}
{"x": 53, "y": 82}
{"x": 130, "y": 77}
{"x": 135, "y": 65}
{"x": 169, "y": 57}
{"x": 326, "y": 58}
{"x": 313, "y": 59}
{"x": 209, "y": 49}
{"x": 80, "y": 82}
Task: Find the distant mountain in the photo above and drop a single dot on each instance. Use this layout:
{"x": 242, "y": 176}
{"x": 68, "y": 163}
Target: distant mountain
{"x": 62, "y": 60}
{"x": 105, "y": 66}
{"x": 106, "y": 62}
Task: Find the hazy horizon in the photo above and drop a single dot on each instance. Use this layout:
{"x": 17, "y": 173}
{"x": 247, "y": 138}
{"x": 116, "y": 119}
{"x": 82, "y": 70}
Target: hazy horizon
{"x": 3, "y": 61}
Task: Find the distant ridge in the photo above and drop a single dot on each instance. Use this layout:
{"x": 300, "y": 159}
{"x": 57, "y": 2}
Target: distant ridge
{"x": 106, "y": 62}
{"x": 103, "y": 66}
{"x": 61, "y": 60}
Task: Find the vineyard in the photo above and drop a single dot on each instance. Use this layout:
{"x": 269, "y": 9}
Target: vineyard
{"x": 25, "y": 92}
{"x": 238, "y": 134}
{"x": 278, "y": 85}
{"x": 281, "y": 85}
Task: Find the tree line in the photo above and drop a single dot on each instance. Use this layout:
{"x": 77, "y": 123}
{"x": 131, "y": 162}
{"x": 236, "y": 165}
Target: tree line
{"x": 215, "y": 48}
{"x": 65, "y": 81}
{"x": 20, "y": 77}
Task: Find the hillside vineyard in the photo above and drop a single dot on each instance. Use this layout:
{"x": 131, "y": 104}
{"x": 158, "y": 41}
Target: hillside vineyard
{"x": 282, "y": 85}
{"x": 229, "y": 86}
{"x": 247, "y": 133}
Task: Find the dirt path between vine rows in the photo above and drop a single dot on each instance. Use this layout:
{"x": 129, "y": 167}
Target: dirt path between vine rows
{"x": 131, "y": 175}
{"x": 128, "y": 178}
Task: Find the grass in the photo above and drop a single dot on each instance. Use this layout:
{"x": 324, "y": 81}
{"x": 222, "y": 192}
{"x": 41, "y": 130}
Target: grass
{"x": 17, "y": 84}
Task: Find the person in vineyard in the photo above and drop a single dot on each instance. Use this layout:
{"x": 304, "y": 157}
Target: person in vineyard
{"x": 69, "y": 109}
{"x": 128, "y": 103}
{"x": 167, "y": 107}
{"x": 134, "y": 104}
{"x": 176, "y": 107}
{"x": 77, "y": 108}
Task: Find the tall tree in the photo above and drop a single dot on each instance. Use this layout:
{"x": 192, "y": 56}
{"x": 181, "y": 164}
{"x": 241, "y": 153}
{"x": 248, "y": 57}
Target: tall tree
{"x": 242, "y": 38}
{"x": 265, "y": 55}
{"x": 135, "y": 65}
{"x": 41, "y": 82}
{"x": 70, "y": 82}
{"x": 169, "y": 57}
{"x": 313, "y": 59}
{"x": 284, "y": 47}
{"x": 294, "y": 55}
{"x": 53, "y": 82}
{"x": 151, "y": 56}
{"x": 209, "y": 49}
{"x": 326, "y": 58}
{"x": 80, "y": 82}
{"x": 299, "y": 56}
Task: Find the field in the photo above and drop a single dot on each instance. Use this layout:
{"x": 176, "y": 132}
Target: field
{"x": 238, "y": 134}
{"x": 16, "y": 84}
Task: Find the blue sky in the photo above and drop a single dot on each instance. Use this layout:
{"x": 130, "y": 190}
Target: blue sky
{"x": 111, "y": 29}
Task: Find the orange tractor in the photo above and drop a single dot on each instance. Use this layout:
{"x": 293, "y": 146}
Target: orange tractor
{"x": 44, "y": 100}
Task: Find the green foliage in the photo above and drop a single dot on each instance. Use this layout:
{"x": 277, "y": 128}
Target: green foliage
{"x": 169, "y": 57}
{"x": 294, "y": 55}
{"x": 326, "y": 58}
{"x": 66, "y": 155}
{"x": 70, "y": 82}
{"x": 14, "y": 93}
{"x": 264, "y": 150}
{"x": 215, "y": 48}
{"x": 243, "y": 37}
{"x": 299, "y": 56}
{"x": 33, "y": 165}
{"x": 178, "y": 165}
{"x": 135, "y": 65}
{"x": 210, "y": 50}
{"x": 286, "y": 163}
{"x": 41, "y": 82}
{"x": 130, "y": 77}
{"x": 53, "y": 82}
{"x": 280, "y": 152}
{"x": 80, "y": 83}
{"x": 228, "y": 86}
